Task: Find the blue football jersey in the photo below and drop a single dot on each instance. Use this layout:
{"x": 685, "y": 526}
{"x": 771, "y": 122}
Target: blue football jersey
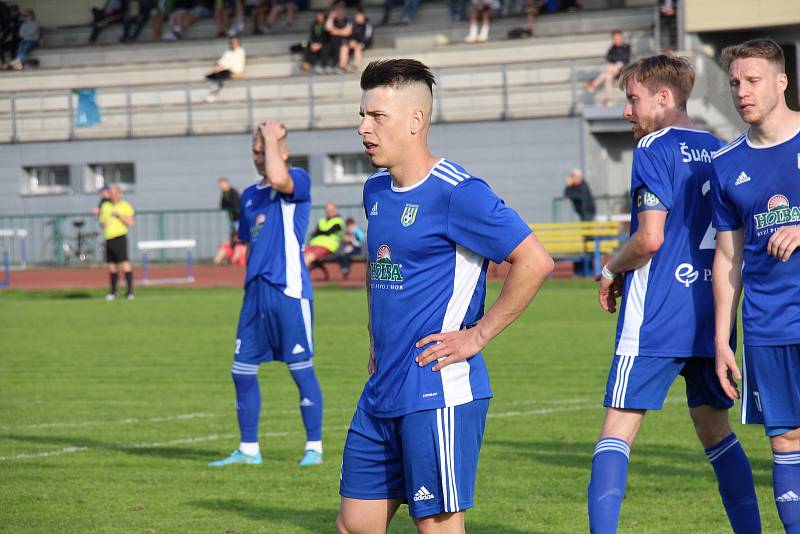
{"x": 429, "y": 246}
{"x": 757, "y": 188}
{"x": 274, "y": 226}
{"x": 667, "y": 305}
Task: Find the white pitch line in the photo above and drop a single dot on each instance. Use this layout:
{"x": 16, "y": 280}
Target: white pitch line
{"x": 25, "y": 456}
{"x": 129, "y": 421}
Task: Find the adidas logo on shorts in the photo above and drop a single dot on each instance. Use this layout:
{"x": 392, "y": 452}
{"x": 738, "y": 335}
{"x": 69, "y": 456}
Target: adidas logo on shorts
{"x": 789, "y": 496}
{"x": 423, "y": 494}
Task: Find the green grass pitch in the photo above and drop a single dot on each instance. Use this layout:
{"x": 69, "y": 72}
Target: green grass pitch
{"x": 109, "y": 412}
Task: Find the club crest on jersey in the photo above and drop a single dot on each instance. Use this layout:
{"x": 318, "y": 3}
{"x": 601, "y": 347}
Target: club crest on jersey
{"x": 256, "y": 228}
{"x": 383, "y": 269}
{"x": 409, "y": 215}
{"x": 778, "y": 212}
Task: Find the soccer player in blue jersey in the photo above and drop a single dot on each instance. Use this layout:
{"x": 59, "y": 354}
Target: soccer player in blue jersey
{"x": 433, "y": 227}
{"x": 756, "y": 195}
{"x": 666, "y": 320}
{"x": 275, "y": 323}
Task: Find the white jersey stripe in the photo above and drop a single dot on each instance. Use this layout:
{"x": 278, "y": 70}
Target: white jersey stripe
{"x": 634, "y": 312}
{"x": 294, "y": 281}
{"x": 447, "y": 172}
{"x": 454, "y": 169}
{"x": 730, "y": 146}
{"x": 441, "y": 176}
{"x": 442, "y": 460}
{"x": 655, "y": 136}
{"x": 455, "y": 377}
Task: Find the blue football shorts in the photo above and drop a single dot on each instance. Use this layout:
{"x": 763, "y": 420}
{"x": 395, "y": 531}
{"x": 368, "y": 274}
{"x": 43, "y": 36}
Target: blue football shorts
{"x": 273, "y": 326}
{"x": 642, "y": 382}
{"x": 429, "y": 459}
{"x": 771, "y": 387}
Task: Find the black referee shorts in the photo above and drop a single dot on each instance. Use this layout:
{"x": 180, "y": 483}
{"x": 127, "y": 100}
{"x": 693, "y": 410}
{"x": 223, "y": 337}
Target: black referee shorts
{"x": 117, "y": 249}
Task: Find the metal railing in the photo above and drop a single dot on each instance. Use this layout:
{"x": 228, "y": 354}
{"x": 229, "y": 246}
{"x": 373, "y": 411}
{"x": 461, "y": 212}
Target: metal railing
{"x": 53, "y": 238}
{"x": 477, "y": 92}
{"x": 606, "y": 206}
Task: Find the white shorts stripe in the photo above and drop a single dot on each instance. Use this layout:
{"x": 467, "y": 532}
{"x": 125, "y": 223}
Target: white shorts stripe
{"x": 453, "y": 458}
{"x": 745, "y": 391}
{"x": 305, "y": 306}
{"x": 441, "y": 456}
{"x": 625, "y": 383}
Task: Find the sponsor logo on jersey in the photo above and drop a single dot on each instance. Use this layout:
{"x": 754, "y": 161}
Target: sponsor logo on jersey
{"x": 409, "y": 215}
{"x": 686, "y": 274}
{"x": 743, "y": 178}
{"x": 778, "y": 212}
{"x": 374, "y": 211}
{"x": 256, "y": 228}
{"x": 383, "y": 269}
{"x": 423, "y": 494}
{"x": 692, "y": 154}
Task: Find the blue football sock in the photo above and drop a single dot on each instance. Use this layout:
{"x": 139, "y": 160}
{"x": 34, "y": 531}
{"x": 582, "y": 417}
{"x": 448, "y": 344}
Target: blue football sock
{"x": 248, "y": 400}
{"x": 786, "y": 488}
{"x": 735, "y": 482}
{"x": 607, "y": 485}
{"x": 310, "y": 397}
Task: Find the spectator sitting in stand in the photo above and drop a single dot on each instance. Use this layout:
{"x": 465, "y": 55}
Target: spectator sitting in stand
{"x": 482, "y": 9}
{"x": 317, "y": 51}
{"x": 327, "y": 236}
{"x": 360, "y": 39}
{"x": 409, "y": 10}
{"x": 290, "y": 7}
{"x": 352, "y": 244}
{"x": 339, "y": 29}
{"x": 229, "y": 66}
{"x": 9, "y": 35}
{"x": 113, "y": 11}
{"x": 223, "y": 10}
{"x": 29, "y": 34}
{"x": 258, "y": 10}
{"x": 233, "y": 251}
{"x": 186, "y": 13}
{"x": 618, "y": 55}
{"x": 134, "y": 24}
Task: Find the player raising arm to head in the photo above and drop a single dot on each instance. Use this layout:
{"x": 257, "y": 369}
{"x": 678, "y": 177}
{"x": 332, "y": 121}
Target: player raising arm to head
{"x": 756, "y": 194}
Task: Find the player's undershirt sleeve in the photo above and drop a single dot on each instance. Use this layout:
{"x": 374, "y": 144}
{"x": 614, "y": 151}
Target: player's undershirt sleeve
{"x": 302, "y": 186}
{"x": 651, "y": 169}
{"x": 723, "y": 211}
{"x": 481, "y": 222}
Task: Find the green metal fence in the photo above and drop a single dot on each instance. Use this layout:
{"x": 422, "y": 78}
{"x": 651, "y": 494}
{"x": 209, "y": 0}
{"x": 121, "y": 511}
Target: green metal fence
{"x": 76, "y": 238}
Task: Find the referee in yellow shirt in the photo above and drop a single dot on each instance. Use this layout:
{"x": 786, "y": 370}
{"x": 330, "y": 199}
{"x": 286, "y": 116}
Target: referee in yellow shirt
{"x": 115, "y": 218}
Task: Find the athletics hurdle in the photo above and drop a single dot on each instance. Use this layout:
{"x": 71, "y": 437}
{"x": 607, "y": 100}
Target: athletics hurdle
{"x": 6, "y": 281}
{"x": 11, "y": 234}
{"x": 145, "y": 246}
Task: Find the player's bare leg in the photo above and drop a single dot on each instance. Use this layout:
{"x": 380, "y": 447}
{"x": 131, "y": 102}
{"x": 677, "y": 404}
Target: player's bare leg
{"x": 361, "y": 516}
{"x": 622, "y": 424}
{"x": 450, "y": 523}
{"x": 711, "y": 424}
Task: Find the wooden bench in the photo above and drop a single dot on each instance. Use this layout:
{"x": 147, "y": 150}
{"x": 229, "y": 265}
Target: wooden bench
{"x": 580, "y": 241}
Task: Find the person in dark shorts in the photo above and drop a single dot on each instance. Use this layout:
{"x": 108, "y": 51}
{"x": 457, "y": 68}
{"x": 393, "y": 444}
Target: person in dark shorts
{"x": 116, "y": 217}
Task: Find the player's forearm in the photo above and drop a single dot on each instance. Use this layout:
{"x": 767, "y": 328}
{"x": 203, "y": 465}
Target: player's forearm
{"x": 530, "y": 267}
{"x": 277, "y": 172}
{"x": 726, "y": 283}
{"x": 636, "y": 252}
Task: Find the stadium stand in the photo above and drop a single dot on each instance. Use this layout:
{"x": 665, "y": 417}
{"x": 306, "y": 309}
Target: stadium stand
{"x": 156, "y": 88}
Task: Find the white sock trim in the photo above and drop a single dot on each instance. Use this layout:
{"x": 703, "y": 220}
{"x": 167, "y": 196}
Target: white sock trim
{"x": 314, "y": 446}
{"x": 250, "y": 449}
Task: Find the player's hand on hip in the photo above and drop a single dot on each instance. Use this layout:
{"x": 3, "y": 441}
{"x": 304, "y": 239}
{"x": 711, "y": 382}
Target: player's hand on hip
{"x": 784, "y": 242}
{"x": 449, "y": 347}
{"x": 727, "y": 371}
{"x": 272, "y": 130}
{"x": 608, "y": 292}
